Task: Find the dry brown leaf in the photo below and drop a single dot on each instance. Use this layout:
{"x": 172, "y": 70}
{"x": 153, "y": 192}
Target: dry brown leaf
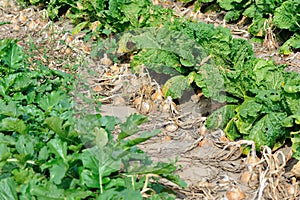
{"x": 171, "y": 127}
{"x": 202, "y": 143}
{"x": 235, "y": 194}
{"x": 68, "y": 51}
{"x": 85, "y": 48}
{"x": 106, "y": 61}
{"x": 296, "y": 169}
{"x": 97, "y": 88}
{"x": 158, "y": 95}
{"x": 245, "y": 177}
{"x": 168, "y": 138}
{"x": 115, "y": 68}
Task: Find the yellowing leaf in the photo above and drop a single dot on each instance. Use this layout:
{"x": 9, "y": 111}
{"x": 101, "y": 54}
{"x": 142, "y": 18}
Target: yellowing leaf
{"x": 79, "y": 27}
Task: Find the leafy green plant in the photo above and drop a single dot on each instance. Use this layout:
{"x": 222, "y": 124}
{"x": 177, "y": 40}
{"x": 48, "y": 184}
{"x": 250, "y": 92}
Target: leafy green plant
{"x": 287, "y": 17}
{"x": 106, "y": 17}
{"x": 261, "y": 95}
{"x": 283, "y": 12}
{"x": 48, "y": 153}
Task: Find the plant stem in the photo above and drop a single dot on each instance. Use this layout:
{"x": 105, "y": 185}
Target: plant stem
{"x": 100, "y": 181}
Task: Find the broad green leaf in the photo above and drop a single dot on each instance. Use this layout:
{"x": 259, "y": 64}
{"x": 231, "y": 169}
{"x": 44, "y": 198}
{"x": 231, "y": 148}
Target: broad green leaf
{"x": 89, "y": 179}
{"x": 101, "y": 137}
{"x": 250, "y": 11}
{"x": 292, "y": 102}
{"x": 287, "y": 16}
{"x": 232, "y": 15}
{"x": 162, "y": 169}
{"x": 295, "y": 137}
{"x": 220, "y": 117}
{"x": 175, "y": 86}
{"x": 271, "y": 100}
{"x": 43, "y": 153}
{"x": 78, "y": 193}
{"x": 4, "y": 152}
{"x": 160, "y": 61}
{"x": 22, "y": 82}
{"x": 25, "y": 145}
{"x": 109, "y": 122}
{"x": 268, "y": 130}
{"x": 292, "y": 82}
{"x": 231, "y": 130}
{"x": 117, "y": 182}
{"x": 59, "y": 148}
{"x": 7, "y": 139}
{"x": 9, "y": 109}
{"x": 47, "y": 191}
{"x": 58, "y": 171}
{"x": 24, "y": 176}
{"x": 293, "y": 42}
{"x": 247, "y": 114}
{"x": 7, "y": 189}
{"x": 13, "y": 124}
{"x": 268, "y": 75}
{"x": 229, "y": 4}
{"x": 130, "y": 127}
{"x": 126, "y": 194}
{"x": 100, "y": 161}
{"x": 13, "y": 56}
{"x": 288, "y": 122}
{"x": 133, "y": 11}
{"x": 210, "y": 79}
{"x": 186, "y": 63}
{"x": 50, "y": 100}
{"x": 141, "y": 138}
{"x": 257, "y": 26}
{"x": 55, "y": 124}
{"x": 249, "y": 108}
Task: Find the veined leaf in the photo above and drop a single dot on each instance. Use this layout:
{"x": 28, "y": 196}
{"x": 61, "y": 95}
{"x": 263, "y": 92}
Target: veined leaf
{"x": 293, "y": 42}
{"x": 9, "y": 109}
{"x": 79, "y": 27}
{"x": 175, "y": 86}
{"x": 58, "y": 171}
{"x": 287, "y": 16}
{"x": 13, "y": 57}
{"x": 124, "y": 194}
{"x": 4, "y": 152}
{"x": 101, "y": 137}
{"x": 296, "y": 144}
{"x": 221, "y": 117}
{"x": 210, "y": 79}
{"x": 50, "y": 100}
{"x": 268, "y": 130}
{"x": 130, "y": 127}
{"x": 55, "y": 124}
{"x": 13, "y": 124}
{"x": 7, "y": 189}
{"x": 25, "y": 145}
{"x": 141, "y": 138}
{"x": 47, "y": 191}
{"x": 59, "y": 148}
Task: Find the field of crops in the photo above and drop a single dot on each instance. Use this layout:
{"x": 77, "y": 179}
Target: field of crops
{"x": 140, "y": 99}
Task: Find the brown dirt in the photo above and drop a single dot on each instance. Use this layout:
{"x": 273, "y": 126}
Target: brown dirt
{"x": 213, "y": 167}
